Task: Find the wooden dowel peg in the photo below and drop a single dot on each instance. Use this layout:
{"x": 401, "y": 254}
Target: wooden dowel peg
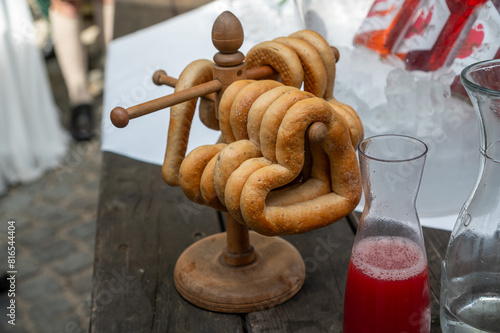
{"x": 160, "y": 77}
{"x": 120, "y": 116}
{"x": 260, "y": 72}
{"x": 317, "y": 132}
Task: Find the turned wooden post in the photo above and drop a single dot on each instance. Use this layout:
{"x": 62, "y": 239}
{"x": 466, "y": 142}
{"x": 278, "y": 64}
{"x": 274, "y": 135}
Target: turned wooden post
{"x": 227, "y": 37}
{"x": 223, "y": 272}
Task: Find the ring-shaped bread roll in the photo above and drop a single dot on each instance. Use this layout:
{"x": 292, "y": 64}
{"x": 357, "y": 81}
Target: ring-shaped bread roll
{"x": 281, "y": 58}
{"x": 317, "y": 184}
{"x": 312, "y": 64}
{"x": 225, "y": 104}
{"x": 192, "y": 169}
{"x": 322, "y": 210}
{"x": 352, "y": 119}
{"x": 229, "y": 159}
{"x": 207, "y": 188}
{"x": 326, "y": 54}
{"x": 329, "y": 61}
{"x": 270, "y": 175}
{"x": 240, "y": 107}
{"x": 236, "y": 182}
{"x": 259, "y": 108}
{"x": 272, "y": 121}
{"x": 207, "y": 114}
{"x": 181, "y": 116}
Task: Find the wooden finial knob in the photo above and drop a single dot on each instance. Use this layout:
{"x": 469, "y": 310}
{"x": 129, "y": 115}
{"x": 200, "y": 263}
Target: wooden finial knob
{"x": 119, "y": 117}
{"x": 227, "y": 33}
{"x": 157, "y": 77}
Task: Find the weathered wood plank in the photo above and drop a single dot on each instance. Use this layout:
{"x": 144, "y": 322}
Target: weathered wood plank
{"x": 172, "y": 313}
{"x": 436, "y": 242}
{"x": 143, "y": 225}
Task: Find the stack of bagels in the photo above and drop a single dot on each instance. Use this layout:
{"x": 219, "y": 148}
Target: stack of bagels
{"x": 268, "y": 172}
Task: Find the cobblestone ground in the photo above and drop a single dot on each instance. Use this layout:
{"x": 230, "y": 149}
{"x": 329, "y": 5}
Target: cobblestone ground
{"x": 55, "y": 229}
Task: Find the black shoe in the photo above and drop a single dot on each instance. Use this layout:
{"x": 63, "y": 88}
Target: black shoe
{"x": 82, "y": 125}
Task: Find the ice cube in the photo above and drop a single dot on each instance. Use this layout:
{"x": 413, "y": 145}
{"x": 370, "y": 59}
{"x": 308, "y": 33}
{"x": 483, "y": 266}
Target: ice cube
{"x": 401, "y": 98}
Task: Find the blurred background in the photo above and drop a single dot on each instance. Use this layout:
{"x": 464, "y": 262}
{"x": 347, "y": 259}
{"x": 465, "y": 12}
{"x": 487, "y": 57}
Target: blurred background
{"x": 55, "y": 207}
{"x": 55, "y": 210}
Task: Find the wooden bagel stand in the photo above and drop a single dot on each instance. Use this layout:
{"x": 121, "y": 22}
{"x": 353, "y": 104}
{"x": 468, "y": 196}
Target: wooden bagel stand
{"x": 238, "y": 271}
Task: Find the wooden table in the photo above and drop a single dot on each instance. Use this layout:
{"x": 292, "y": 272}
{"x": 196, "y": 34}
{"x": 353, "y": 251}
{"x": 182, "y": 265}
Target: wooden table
{"x": 143, "y": 225}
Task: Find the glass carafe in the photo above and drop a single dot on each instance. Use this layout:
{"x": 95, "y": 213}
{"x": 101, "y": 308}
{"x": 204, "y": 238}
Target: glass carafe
{"x": 470, "y": 276}
{"x": 388, "y": 282}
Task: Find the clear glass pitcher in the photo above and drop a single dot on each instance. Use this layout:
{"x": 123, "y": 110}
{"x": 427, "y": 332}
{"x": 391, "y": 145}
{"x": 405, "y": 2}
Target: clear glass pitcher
{"x": 470, "y": 275}
{"x": 387, "y": 286}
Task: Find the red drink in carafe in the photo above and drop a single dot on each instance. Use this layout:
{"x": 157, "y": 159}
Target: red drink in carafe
{"x": 427, "y": 46}
{"x": 385, "y": 21}
{"x": 387, "y": 287}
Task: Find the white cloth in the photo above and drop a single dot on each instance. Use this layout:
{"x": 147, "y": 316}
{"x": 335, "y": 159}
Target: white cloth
{"x": 31, "y": 137}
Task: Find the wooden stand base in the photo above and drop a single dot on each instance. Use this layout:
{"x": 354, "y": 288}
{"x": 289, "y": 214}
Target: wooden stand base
{"x": 204, "y": 279}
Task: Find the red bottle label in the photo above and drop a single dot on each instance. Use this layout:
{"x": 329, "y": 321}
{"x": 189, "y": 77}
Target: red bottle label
{"x": 483, "y": 40}
{"x": 427, "y": 25}
{"x": 381, "y": 15}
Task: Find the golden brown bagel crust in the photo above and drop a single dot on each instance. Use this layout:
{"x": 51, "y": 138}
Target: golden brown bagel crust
{"x": 225, "y": 105}
{"x": 312, "y": 64}
{"x": 322, "y": 210}
{"x": 236, "y": 182}
{"x": 281, "y": 58}
{"x": 192, "y": 168}
{"x": 207, "y": 188}
{"x": 326, "y": 54}
{"x": 352, "y": 119}
{"x": 259, "y": 108}
{"x": 229, "y": 159}
{"x": 241, "y": 106}
{"x": 272, "y": 120}
{"x": 207, "y": 114}
{"x": 181, "y": 116}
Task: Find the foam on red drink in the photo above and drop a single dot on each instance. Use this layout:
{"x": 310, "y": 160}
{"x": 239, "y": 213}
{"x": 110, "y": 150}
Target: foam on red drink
{"x": 387, "y": 287}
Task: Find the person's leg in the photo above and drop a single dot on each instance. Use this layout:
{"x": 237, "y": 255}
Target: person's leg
{"x": 71, "y": 55}
{"x": 104, "y": 13}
